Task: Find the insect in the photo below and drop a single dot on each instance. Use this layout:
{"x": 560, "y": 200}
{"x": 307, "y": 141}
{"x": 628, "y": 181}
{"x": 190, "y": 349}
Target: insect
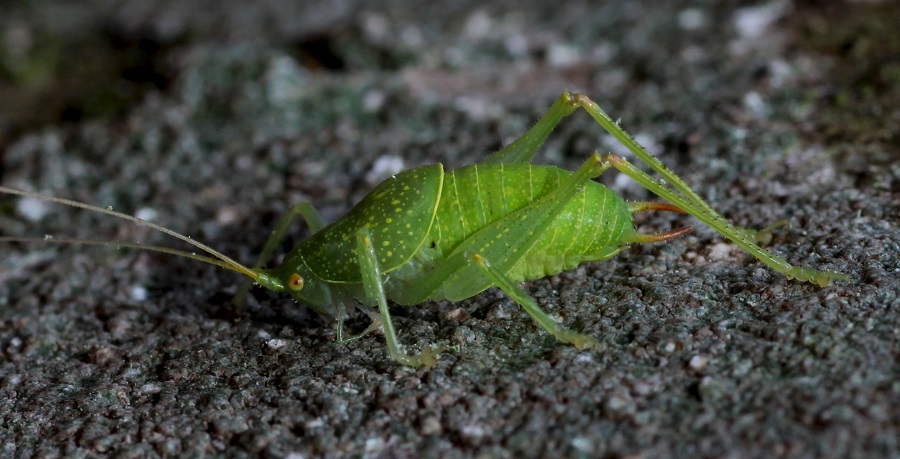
{"x": 427, "y": 233}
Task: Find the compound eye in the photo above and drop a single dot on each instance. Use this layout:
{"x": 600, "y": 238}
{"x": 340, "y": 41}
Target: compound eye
{"x": 295, "y": 282}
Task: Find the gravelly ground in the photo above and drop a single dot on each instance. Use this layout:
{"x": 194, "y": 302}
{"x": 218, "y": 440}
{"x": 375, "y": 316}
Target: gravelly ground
{"x": 230, "y": 114}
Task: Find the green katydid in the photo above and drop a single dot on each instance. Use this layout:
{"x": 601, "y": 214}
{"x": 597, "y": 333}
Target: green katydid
{"x": 427, "y": 233}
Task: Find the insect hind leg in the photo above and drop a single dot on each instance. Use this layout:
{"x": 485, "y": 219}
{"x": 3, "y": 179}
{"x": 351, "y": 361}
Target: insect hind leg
{"x": 685, "y": 198}
{"x": 739, "y": 236}
{"x": 522, "y": 150}
{"x": 531, "y": 307}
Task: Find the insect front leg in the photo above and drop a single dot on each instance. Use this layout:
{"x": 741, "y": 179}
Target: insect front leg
{"x": 342, "y": 300}
{"x": 374, "y": 287}
{"x": 313, "y": 221}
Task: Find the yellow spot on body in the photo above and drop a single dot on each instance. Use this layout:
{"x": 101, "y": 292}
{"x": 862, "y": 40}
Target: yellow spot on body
{"x": 390, "y": 254}
{"x": 398, "y": 209}
{"x": 389, "y": 221}
{"x": 395, "y": 202}
{"x": 386, "y": 243}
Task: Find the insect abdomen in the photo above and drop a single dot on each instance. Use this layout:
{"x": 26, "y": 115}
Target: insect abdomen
{"x": 590, "y": 227}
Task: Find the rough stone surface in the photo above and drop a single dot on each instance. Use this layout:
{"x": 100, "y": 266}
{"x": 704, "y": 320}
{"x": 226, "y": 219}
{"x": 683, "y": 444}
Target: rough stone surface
{"x": 223, "y": 117}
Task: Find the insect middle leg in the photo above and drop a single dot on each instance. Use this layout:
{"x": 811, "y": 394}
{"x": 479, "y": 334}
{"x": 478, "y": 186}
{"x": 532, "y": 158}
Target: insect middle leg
{"x": 530, "y": 306}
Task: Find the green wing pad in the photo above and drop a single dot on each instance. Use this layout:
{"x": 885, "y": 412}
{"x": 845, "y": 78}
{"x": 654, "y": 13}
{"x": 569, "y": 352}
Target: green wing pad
{"x": 398, "y": 213}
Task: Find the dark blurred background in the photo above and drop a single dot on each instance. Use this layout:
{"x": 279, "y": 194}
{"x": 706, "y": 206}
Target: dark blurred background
{"x": 213, "y": 117}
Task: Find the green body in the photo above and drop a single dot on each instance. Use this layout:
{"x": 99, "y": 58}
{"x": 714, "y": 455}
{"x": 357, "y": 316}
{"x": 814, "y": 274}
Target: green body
{"x": 419, "y": 217}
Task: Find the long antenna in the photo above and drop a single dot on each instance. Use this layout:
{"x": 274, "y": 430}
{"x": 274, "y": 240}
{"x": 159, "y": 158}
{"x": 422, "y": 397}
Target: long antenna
{"x": 219, "y": 259}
